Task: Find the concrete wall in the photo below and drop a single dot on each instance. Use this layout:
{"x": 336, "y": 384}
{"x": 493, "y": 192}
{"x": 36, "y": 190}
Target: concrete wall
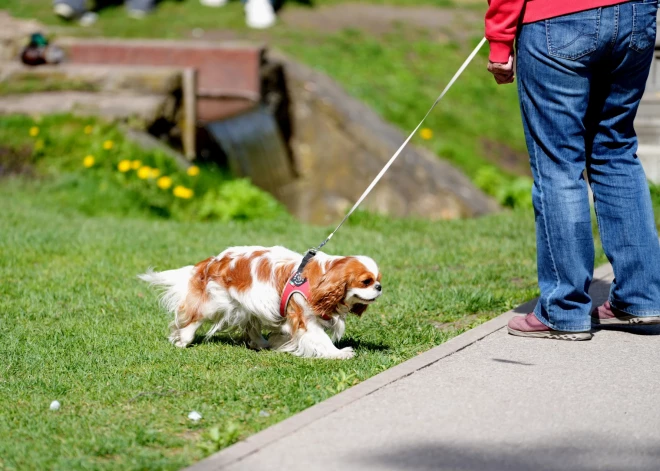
{"x": 339, "y": 145}
{"x": 647, "y": 123}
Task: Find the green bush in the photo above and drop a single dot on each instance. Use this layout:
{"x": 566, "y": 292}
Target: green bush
{"x": 89, "y": 165}
{"x": 513, "y": 192}
{"x": 240, "y": 200}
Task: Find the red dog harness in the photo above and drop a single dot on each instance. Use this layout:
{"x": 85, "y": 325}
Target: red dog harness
{"x": 292, "y": 288}
{"x": 298, "y": 284}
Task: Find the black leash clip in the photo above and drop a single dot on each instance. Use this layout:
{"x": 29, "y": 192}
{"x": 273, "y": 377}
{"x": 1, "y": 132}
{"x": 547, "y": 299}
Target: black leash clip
{"x": 298, "y": 279}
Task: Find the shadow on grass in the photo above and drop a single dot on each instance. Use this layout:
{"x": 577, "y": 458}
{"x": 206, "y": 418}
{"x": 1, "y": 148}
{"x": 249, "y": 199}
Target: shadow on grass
{"x": 225, "y": 339}
{"x": 237, "y": 341}
{"x": 363, "y": 345}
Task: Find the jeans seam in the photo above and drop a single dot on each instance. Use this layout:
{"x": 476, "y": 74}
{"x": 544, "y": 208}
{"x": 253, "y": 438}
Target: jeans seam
{"x": 634, "y": 27}
{"x": 545, "y": 226}
{"x": 616, "y": 26}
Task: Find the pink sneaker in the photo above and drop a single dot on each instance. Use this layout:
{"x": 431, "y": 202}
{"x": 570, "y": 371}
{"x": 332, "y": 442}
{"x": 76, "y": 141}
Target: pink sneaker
{"x": 530, "y": 326}
{"x": 606, "y": 315}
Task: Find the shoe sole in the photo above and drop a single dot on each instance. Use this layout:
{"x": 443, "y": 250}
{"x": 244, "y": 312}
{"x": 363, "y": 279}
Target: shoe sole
{"x": 626, "y": 320}
{"x": 552, "y": 334}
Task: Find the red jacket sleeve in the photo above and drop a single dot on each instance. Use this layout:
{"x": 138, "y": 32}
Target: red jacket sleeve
{"x": 502, "y": 20}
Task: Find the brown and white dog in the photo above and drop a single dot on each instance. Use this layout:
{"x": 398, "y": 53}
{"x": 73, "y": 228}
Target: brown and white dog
{"x": 241, "y": 290}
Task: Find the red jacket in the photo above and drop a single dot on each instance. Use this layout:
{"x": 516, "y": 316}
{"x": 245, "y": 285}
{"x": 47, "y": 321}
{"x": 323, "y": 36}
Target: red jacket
{"x": 504, "y": 16}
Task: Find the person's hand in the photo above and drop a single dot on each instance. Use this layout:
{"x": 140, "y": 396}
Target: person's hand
{"x": 502, "y": 72}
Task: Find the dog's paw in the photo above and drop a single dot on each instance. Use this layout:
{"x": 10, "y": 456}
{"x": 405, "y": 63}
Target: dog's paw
{"x": 345, "y": 353}
{"x": 258, "y": 345}
{"x": 179, "y": 343}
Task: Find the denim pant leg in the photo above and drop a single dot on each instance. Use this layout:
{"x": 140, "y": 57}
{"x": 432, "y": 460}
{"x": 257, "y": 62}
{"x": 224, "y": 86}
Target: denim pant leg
{"x": 79, "y": 6}
{"x": 553, "y": 88}
{"x": 622, "y": 201}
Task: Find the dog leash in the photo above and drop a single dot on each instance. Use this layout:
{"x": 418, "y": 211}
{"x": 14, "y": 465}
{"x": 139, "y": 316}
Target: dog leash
{"x": 298, "y": 282}
{"x": 297, "y": 279}
{"x": 400, "y": 149}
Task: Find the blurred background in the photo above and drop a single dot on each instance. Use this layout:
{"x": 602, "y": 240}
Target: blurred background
{"x": 304, "y": 100}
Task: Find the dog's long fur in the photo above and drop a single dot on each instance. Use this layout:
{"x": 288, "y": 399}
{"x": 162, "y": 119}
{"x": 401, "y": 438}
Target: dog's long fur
{"x": 240, "y": 291}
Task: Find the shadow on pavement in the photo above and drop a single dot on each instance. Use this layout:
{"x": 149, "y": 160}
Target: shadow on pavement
{"x": 588, "y": 452}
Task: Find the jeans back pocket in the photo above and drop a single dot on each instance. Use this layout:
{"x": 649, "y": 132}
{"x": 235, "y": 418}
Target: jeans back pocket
{"x": 573, "y": 36}
{"x": 644, "y": 25}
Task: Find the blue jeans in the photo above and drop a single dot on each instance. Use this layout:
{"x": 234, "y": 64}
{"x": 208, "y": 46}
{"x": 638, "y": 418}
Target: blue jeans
{"x": 580, "y": 81}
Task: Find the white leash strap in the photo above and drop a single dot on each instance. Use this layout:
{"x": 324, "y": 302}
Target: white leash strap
{"x": 396, "y": 154}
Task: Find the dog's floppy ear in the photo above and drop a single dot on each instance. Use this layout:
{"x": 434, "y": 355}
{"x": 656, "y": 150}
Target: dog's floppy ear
{"x": 359, "y": 309}
{"x": 330, "y": 289}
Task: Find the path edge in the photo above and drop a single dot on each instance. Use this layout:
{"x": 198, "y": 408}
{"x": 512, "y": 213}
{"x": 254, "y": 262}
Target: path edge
{"x": 256, "y": 442}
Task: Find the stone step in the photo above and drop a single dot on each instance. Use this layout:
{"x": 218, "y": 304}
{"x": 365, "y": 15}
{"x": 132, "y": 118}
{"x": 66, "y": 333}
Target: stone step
{"x": 648, "y": 130}
{"x": 146, "y": 109}
{"x": 102, "y": 78}
{"x": 228, "y": 74}
{"x": 650, "y": 105}
{"x": 649, "y": 155}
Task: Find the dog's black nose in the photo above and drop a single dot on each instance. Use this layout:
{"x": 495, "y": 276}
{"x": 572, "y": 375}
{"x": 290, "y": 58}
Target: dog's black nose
{"x": 378, "y": 287}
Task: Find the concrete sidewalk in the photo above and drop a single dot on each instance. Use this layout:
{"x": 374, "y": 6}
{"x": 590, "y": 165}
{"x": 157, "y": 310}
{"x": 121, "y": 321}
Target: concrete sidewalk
{"x": 483, "y": 401}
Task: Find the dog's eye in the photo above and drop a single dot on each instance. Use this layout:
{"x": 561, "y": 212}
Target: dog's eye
{"x": 367, "y": 282}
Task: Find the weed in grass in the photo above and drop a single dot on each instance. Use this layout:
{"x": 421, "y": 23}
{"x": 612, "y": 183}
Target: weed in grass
{"x": 342, "y": 381}
{"x": 219, "y": 437}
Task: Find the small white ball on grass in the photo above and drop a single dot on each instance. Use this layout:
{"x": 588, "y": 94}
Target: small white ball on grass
{"x": 195, "y": 416}
{"x": 55, "y": 405}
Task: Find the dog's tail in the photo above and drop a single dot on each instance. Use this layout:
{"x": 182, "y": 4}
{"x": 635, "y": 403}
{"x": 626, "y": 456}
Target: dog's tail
{"x": 174, "y": 285}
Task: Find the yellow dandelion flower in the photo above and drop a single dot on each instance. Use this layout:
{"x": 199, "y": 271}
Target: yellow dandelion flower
{"x": 34, "y": 131}
{"x": 88, "y": 161}
{"x": 124, "y": 166}
{"x": 136, "y": 164}
{"x": 193, "y": 171}
{"x": 155, "y": 173}
{"x": 426, "y": 134}
{"x": 107, "y": 145}
{"x": 88, "y": 129}
{"x": 164, "y": 182}
{"x": 144, "y": 172}
{"x": 39, "y": 145}
{"x": 182, "y": 192}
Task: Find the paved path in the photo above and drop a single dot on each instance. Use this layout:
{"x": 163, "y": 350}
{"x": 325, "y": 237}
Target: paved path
{"x": 483, "y": 401}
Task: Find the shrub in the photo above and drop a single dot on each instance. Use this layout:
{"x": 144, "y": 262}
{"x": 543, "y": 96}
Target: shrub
{"x": 91, "y": 166}
{"x": 513, "y": 192}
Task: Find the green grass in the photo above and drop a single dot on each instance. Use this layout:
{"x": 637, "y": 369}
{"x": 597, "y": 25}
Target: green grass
{"x": 28, "y": 84}
{"x": 399, "y": 73}
{"x": 77, "y": 326}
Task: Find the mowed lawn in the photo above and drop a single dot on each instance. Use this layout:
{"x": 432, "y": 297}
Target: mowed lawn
{"x": 79, "y": 327}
